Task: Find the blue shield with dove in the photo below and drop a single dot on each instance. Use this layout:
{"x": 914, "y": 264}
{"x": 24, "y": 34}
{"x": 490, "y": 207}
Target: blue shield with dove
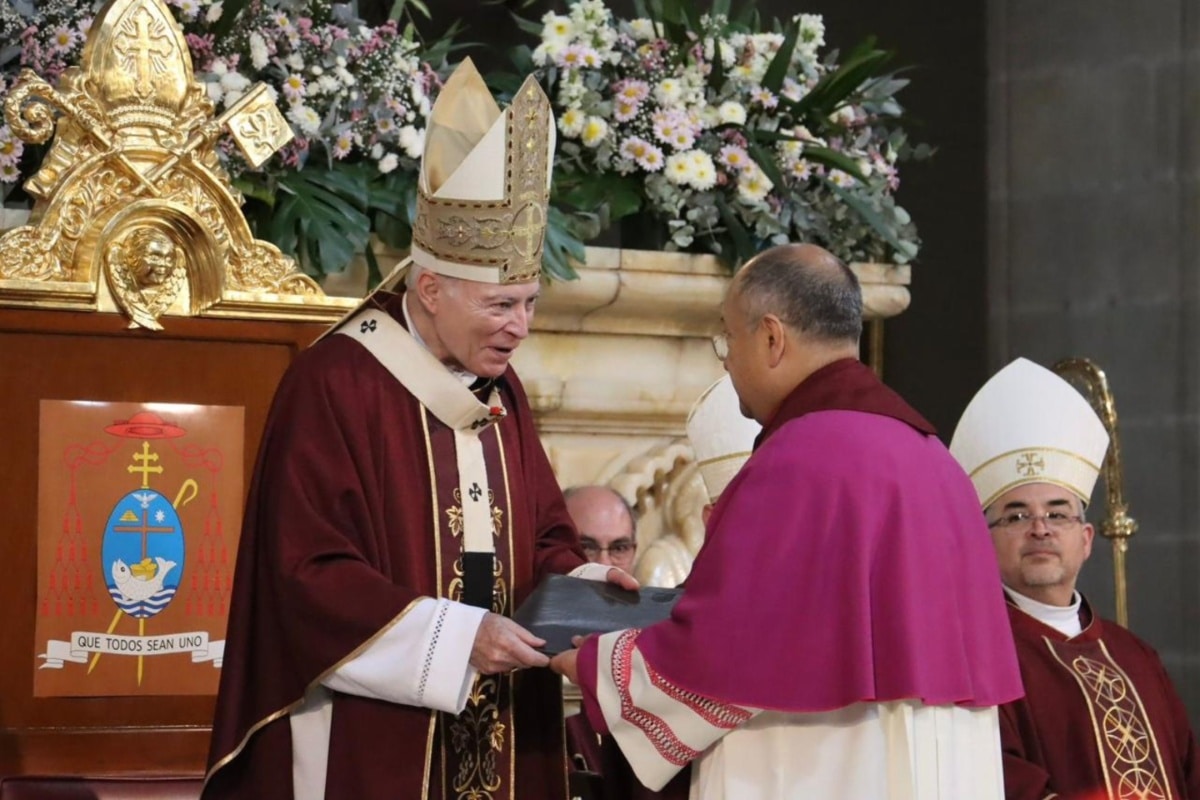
{"x": 142, "y": 553}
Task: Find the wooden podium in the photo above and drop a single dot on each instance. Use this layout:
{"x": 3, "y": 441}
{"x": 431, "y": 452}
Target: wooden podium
{"x": 65, "y": 355}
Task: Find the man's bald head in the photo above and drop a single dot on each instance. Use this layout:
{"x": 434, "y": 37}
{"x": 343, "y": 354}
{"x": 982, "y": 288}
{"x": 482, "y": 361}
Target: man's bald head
{"x": 606, "y": 524}
{"x": 808, "y": 288}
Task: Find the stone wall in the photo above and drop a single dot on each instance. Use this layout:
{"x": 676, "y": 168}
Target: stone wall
{"x": 1092, "y": 159}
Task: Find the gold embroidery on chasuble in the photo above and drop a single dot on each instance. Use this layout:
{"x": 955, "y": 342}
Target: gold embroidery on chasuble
{"x": 477, "y": 753}
{"x": 1129, "y": 755}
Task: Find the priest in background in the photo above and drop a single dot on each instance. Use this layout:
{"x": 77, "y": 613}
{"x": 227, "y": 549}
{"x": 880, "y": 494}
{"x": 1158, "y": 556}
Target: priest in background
{"x": 403, "y": 505}
{"x": 1100, "y": 717}
{"x": 843, "y": 632}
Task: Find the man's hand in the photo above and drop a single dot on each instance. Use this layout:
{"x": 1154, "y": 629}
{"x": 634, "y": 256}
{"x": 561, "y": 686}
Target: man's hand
{"x": 565, "y": 662}
{"x": 502, "y": 645}
{"x": 622, "y": 578}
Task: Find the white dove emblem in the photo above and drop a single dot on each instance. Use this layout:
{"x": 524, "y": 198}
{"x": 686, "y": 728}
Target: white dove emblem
{"x": 137, "y": 589}
{"x": 144, "y": 498}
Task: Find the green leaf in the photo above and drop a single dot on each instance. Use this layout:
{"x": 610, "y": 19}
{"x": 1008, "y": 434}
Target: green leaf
{"x": 230, "y": 11}
{"x": 773, "y": 78}
{"x": 399, "y": 7}
{"x": 320, "y": 217}
{"x": 832, "y": 158}
{"x": 253, "y": 186}
{"x": 621, "y": 194}
{"x": 374, "y": 275}
{"x": 869, "y": 215}
{"x": 561, "y": 247}
{"x": 527, "y": 25}
{"x": 767, "y": 163}
{"x": 716, "y": 77}
{"x": 743, "y": 245}
{"x": 833, "y": 89}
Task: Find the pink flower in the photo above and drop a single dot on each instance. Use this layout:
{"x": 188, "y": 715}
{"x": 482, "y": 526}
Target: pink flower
{"x": 624, "y": 110}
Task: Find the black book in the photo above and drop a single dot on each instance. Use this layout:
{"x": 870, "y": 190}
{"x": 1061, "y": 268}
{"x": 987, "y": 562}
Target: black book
{"x": 562, "y": 607}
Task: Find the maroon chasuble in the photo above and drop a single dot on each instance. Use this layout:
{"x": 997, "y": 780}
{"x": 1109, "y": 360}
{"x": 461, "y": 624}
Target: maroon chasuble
{"x": 352, "y": 517}
{"x": 1100, "y": 718}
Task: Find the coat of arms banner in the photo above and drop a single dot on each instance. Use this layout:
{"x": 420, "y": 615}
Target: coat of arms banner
{"x": 139, "y": 509}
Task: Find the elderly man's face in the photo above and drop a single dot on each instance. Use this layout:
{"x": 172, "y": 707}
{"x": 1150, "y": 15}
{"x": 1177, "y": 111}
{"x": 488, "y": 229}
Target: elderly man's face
{"x": 605, "y": 528}
{"x": 1040, "y": 540}
{"x": 481, "y": 324}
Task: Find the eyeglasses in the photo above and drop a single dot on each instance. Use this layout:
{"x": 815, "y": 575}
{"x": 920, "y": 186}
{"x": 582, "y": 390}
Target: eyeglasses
{"x": 617, "y": 550}
{"x": 1055, "y": 520}
{"x": 720, "y": 344}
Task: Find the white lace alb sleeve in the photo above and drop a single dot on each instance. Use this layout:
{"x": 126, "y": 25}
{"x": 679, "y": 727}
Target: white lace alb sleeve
{"x": 421, "y": 660}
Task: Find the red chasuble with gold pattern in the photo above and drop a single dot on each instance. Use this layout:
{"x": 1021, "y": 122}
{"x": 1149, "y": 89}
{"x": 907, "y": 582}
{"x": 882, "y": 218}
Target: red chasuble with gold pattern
{"x": 354, "y": 514}
{"x": 1100, "y": 718}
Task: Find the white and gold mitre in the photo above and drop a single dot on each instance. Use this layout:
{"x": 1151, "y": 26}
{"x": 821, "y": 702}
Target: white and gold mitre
{"x": 1027, "y": 425}
{"x": 721, "y": 436}
{"x": 485, "y": 182}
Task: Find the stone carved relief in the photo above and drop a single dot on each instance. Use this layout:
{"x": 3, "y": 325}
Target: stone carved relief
{"x": 665, "y": 488}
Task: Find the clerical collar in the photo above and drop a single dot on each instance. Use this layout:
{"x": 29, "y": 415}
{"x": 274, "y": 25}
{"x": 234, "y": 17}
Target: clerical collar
{"x": 843, "y": 385}
{"x": 467, "y": 378}
{"x": 1064, "y": 619}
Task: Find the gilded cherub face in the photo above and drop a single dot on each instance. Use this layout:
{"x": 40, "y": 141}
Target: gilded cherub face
{"x": 154, "y": 260}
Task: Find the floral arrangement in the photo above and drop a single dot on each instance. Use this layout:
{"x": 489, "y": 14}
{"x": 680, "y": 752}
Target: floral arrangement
{"x": 727, "y": 138}
{"x": 357, "y": 98}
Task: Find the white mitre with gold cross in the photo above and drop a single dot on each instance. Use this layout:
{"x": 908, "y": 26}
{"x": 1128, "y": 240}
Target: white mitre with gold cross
{"x": 484, "y": 187}
{"x": 485, "y": 182}
{"x": 721, "y": 436}
{"x": 1028, "y": 425}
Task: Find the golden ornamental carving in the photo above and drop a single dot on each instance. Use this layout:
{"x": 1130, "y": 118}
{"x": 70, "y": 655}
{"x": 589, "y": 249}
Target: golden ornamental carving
{"x": 133, "y": 210}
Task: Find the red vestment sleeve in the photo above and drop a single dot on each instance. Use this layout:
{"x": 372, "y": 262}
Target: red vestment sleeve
{"x": 1024, "y": 779}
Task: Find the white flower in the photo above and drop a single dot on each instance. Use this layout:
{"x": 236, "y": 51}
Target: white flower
{"x": 328, "y": 84}
{"x": 10, "y": 147}
{"x": 594, "y": 131}
{"x": 259, "y": 56}
{"x": 641, "y": 152}
{"x": 293, "y": 87}
{"x": 557, "y": 28}
{"x": 412, "y": 140}
{"x": 214, "y": 12}
{"x": 734, "y": 157}
{"x": 377, "y": 151}
{"x": 218, "y": 66}
{"x": 812, "y": 35}
{"x": 679, "y": 168}
{"x": 307, "y": 120}
{"x": 234, "y": 82}
{"x": 547, "y": 52}
{"x": 844, "y": 115}
{"x": 344, "y": 76}
{"x": 189, "y": 9}
{"x": 642, "y": 29}
{"x": 732, "y": 112}
{"x": 704, "y": 173}
{"x": 9, "y": 173}
{"x": 754, "y": 185}
{"x": 215, "y": 92}
{"x": 294, "y": 62}
{"x": 802, "y": 170}
{"x": 571, "y": 122}
{"x": 840, "y": 179}
{"x": 668, "y": 91}
{"x": 388, "y": 163}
